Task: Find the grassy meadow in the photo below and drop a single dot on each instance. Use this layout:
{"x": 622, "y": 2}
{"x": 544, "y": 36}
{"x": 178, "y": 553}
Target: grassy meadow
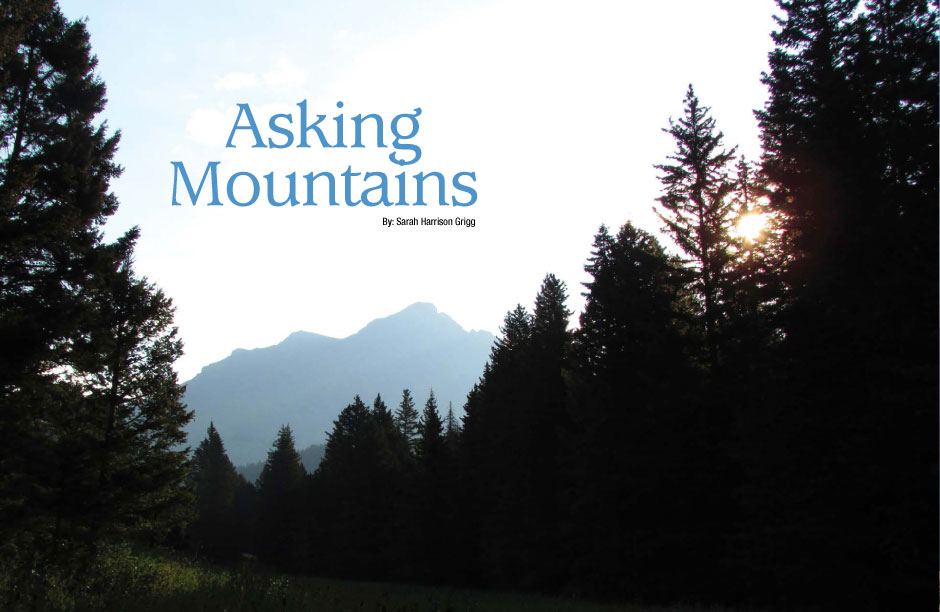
{"x": 125, "y": 580}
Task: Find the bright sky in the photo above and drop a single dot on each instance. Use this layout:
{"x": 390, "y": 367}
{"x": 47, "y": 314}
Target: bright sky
{"x": 557, "y": 108}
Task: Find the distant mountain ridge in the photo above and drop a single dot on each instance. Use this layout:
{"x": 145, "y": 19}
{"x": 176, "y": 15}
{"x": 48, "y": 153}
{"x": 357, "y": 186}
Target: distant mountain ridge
{"x": 308, "y": 378}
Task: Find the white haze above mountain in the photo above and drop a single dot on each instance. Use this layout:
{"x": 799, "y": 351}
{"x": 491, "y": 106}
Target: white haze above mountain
{"x": 306, "y": 380}
{"x": 557, "y": 106}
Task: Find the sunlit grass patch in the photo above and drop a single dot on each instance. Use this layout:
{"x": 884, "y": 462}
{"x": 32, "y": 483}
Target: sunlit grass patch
{"x": 122, "y": 579}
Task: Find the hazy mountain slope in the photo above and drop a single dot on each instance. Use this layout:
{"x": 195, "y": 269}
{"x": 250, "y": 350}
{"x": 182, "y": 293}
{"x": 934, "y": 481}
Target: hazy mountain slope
{"x": 307, "y": 379}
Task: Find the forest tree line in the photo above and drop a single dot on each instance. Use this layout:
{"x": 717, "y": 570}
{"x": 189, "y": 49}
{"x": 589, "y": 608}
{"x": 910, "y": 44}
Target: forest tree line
{"x": 749, "y": 419}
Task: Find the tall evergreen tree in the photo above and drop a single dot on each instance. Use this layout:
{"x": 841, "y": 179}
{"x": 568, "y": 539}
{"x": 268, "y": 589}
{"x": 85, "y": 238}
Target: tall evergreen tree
{"x": 388, "y": 489}
{"x": 493, "y": 432}
{"x": 281, "y": 528}
{"x": 220, "y": 524}
{"x": 849, "y": 139}
{"x": 696, "y": 209}
{"x": 430, "y": 443}
{"x": 111, "y": 422}
{"x": 356, "y": 490}
{"x": 91, "y": 419}
{"x": 55, "y": 171}
{"x": 433, "y": 495}
{"x": 514, "y": 338}
{"x": 133, "y": 400}
{"x": 391, "y": 446}
{"x": 339, "y": 494}
{"x": 546, "y": 424}
{"x": 407, "y": 418}
{"x": 56, "y": 164}
{"x": 381, "y": 411}
{"x": 642, "y": 509}
{"x": 511, "y": 454}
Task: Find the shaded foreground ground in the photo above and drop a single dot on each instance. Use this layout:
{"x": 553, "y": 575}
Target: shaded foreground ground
{"x": 124, "y": 580}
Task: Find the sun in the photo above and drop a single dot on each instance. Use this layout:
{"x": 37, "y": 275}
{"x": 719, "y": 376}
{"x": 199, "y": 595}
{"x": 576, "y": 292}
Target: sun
{"x": 751, "y": 225}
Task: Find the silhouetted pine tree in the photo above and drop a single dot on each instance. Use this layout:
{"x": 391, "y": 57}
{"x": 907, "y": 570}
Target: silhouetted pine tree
{"x": 390, "y": 496}
{"x": 221, "y": 521}
{"x": 645, "y": 519}
{"x": 356, "y": 495}
{"x": 696, "y": 209}
{"x": 281, "y": 501}
{"x": 407, "y": 419}
{"x": 381, "y": 413}
{"x": 393, "y": 452}
{"x": 510, "y": 454}
{"x": 91, "y": 407}
{"x": 339, "y": 493}
{"x": 55, "y": 175}
{"x": 547, "y": 422}
{"x": 121, "y": 464}
{"x": 493, "y": 434}
{"x": 846, "y": 447}
{"x": 433, "y": 497}
{"x": 430, "y": 442}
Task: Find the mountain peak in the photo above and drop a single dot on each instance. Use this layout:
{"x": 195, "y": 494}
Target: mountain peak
{"x": 420, "y": 307}
{"x": 419, "y": 318}
{"x": 308, "y": 378}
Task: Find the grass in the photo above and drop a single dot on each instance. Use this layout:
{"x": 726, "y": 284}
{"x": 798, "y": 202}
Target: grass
{"x": 124, "y": 580}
